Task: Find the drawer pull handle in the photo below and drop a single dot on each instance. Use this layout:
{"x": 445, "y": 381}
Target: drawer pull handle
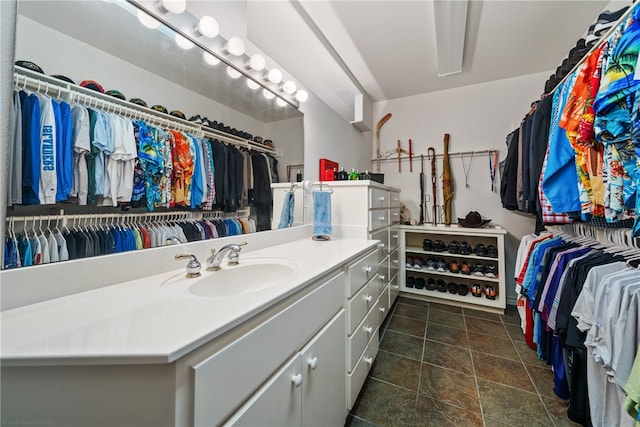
{"x": 396, "y": 213}
{"x": 395, "y": 261}
{"x": 368, "y": 360}
{"x": 382, "y": 278}
{"x": 368, "y": 329}
{"x": 313, "y": 363}
{"x": 381, "y": 218}
{"x": 381, "y": 198}
{"x": 366, "y": 268}
{"x": 381, "y": 245}
{"x": 395, "y": 236}
{"x": 368, "y": 298}
{"x": 297, "y": 380}
{"x": 382, "y": 309}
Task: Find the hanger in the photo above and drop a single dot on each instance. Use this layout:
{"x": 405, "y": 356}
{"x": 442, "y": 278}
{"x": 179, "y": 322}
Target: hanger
{"x": 319, "y": 187}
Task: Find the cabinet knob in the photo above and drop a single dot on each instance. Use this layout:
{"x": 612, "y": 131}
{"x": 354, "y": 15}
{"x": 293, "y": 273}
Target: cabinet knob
{"x": 296, "y": 380}
{"x": 366, "y": 268}
{"x": 381, "y": 218}
{"x": 395, "y": 236}
{"x": 368, "y": 329}
{"x": 381, "y": 198}
{"x": 313, "y": 363}
{"x": 381, "y": 245}
{"x": 368, "y": 298}
{"x": 368, "y": 360}
{"x": 382, "y": 278}
{"x": 382, "y": 309}
{"x": 396, "y": 213}
{"x": 395, "y": 261}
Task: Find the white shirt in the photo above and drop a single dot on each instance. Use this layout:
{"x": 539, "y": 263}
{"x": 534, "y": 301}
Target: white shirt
{"x": 48, "y": 177}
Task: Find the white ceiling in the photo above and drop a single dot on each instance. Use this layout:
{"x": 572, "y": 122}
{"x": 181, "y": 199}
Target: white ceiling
{"x": 387, "y": 49}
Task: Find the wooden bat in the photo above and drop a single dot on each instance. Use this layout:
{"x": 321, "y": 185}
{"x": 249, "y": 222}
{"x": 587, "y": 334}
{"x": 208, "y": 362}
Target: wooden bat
{"x": 381, "y": 122}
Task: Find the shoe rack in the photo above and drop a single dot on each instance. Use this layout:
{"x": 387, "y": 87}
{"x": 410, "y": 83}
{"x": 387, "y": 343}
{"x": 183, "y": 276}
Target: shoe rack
{"x": 413, "y": 277}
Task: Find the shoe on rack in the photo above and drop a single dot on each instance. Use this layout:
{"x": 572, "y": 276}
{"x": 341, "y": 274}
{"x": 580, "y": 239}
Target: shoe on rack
{"x": 476, "y": 290}
{"x": 431, "y": 284}
{"x": 465, "y": 268}
{"x": 465, "y": 249}
{"x": 478, "y": 270}
{"x": 454, "y": 266}
{"x": 452, "y": 288}
{"x": 431, "y": 264}
{"x": 492, "y": 251}
{"x": 420, "y": 283}
{"x": 418, "y": 262}
{"x": 490, "y": 271}
{"x": 409, "y": 262}
{"x": 439, "y": 246}
{"x": 427, "y": 245}
{"x": 463, "y": 289}
{"x": 490, "y": 292}
{"x": 454, "y": 247}
{"x": 411, "y": 281}
{"x": 480, "y": 250}
{"x": 441, "y": 285}
{"x": 441, "y": 265}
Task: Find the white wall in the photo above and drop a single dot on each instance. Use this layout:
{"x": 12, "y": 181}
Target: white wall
{"x": 477, "y": 117}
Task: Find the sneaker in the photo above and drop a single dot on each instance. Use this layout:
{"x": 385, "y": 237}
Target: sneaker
{"x": 409, "y": 262}
{"x": 410, "y": 281}
{"x": 439, "y": 246}
{"x": 418, "y": 262}
{"x": 465, "y": 268}
{"x": 420, "y": 283}
{"x": 431, "y": 284}
{"x": 454, "y": 247}
{"x": 427, "y": 245}
{"x": 441, "y": 266}
{"x": 465, "y": 249}
{"x": 441, "y": 286}
{"x": 454, "y": 266}
{"x": 490, "y": 292}
{"x": 452, "y": 288}
{"x": 478, "y": 270}
{"x": 463, "y": 289}
{"x": 490, "y": 271}
{"x": 492, "y": 251}
{"x": 480, "y": 250}
{"x": 476, "y": 290}
{"x": 431, "y": 264}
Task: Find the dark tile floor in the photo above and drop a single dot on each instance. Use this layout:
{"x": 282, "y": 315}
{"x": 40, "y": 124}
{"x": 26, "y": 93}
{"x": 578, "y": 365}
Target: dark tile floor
{"x": 440, "y": 365}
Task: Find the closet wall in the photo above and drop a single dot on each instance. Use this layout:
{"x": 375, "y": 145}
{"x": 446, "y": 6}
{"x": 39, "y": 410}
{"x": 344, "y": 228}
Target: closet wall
{"x": 477, "y": 118}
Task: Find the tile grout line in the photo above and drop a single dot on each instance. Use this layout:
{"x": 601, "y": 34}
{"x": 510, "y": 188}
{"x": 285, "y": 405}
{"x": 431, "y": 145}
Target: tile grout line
{"x": 473, "y": 368}
{"x": 424, "y": 344}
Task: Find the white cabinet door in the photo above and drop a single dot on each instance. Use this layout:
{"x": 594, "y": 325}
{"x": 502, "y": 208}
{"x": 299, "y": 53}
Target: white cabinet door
{"x": 277, "y": 403}
{"x": 323, "y": 383}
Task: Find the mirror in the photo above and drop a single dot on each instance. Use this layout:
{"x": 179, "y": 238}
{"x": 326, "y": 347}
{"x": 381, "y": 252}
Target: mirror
{"x": 105, "y": 41}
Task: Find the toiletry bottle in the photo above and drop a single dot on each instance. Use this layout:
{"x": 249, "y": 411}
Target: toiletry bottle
{"x": 344, "y": 176}
{"x": 366, "y": 175}
{"x": 299, "y": 176}
{"x": 354, "y": 175}
{"x": 336, "y": 175}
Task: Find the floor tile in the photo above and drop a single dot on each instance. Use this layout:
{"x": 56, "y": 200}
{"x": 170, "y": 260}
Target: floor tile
{"x": 445, "y": 307}
{"x": 447, "y": 356}
{"x": 488, "y": 422}
{"x": 542, "y": 377}
{"x": 511, "y": 316}
{"x": 558, "y": 410}
{"x": 402, "y": 344}
{"x": 492, "y": 345}
{"x": 413, "y": 301}
{"x": 527, "y": 354}
{"x": 503, "y": 371}
{"x": 357, "y": 422}
{"x": 515, "y": 332}
{"x": 431, "y": 412}
{"x": 385, "y": 405}
{"x": 486, "y": 327}
{"x": 407, "y": 325}
{"x": 446, "y": 318}
{"x": 449, "y": 387}
{"x": 447, "y": 335}
{"x": 404, "y": 310}
{"x": 481, "y": 314}
{"x": 397, "y": 370}
{"x": 512, "y": 406}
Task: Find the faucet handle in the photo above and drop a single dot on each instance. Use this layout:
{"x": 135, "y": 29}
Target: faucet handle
{"x": 193, "y": 266}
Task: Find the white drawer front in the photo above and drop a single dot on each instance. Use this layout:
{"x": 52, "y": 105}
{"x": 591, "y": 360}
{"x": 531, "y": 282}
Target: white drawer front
{"x": 378, "y": 198}
{"x": 379, "y": 218}
{"x": 230, "y": 375}
{"x": 394, "y": 216}
{"x": 394, "y": 240}
{"x": 360, "y": 272}
{"x": 360, "y": 304}
{"x": 394, "y": 263}
{"x": 383, "y": 246}
{"x": 394, "y": 290}
{"x": 361, "y": 337}
{"x": 384, "y": 304}
{"x": 383, "y": 275}
{"x": 394, "y": 199}
{"x": 355, "y": 379}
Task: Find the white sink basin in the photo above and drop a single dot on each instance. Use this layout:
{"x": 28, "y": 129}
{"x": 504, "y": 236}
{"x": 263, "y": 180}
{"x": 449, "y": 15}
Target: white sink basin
{"x": 250, "y": 275}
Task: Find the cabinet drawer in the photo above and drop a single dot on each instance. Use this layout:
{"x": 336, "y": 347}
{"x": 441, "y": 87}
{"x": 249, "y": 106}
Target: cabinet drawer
{"x": 394, "y": 240}
{"x": 228, "y": 377}
{"x": 394, "y": 216}
{"x": 378, "y": 198}
{"x": 361, "y": 337}
{"x": 355, "y": 379}
{"x": 383, "y": 275}
{"x": 360, "y": 272}
{"x": 394, "y": 264}
{"x": 394, "y": 199}
{"x": 384, "y": 304}
{"x": 383, "y": 246}
{"x": 379, "y": 218}
{"x": 394, "y": 289}
{"x": 361, "y": 303}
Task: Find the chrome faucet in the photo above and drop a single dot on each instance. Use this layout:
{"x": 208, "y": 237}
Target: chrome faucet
{"x": 233, "y": 250}
{"x": 193, "y": 266}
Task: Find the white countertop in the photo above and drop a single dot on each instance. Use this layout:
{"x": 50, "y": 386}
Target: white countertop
{"x": 154, "y": 319}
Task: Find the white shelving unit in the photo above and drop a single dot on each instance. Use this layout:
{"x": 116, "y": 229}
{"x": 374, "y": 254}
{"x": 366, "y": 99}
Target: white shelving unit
{"x": 411, "y": 239}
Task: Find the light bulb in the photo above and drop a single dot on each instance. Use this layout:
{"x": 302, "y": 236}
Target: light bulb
{"x": 207, "y": 26}
{"x": 147, "y": 20}
{"x": 267, "y": 94}
{"x": 235, "y": 46}
{"x": 302, "y": 96}
{"x": 281, "y": 102}
{"x": 289, "y": 87}
{"x": 252, "y": 85}
{"x": 274, "y": 76}
{"x": 183, "y": 42}
{"x": 210, "y": 59}
{"x": 233, "y": 73}
{"x": 174, "y": 6}
{"x": 257, "y": 62}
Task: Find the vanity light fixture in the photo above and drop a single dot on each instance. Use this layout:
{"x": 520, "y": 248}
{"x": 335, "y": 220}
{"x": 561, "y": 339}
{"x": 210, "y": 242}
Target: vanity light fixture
{"x": 267, "y": 94}
{"x": 233, "y": 73}
{"x": 281, "y": 102}
{"x": 207, "y": 26}
{"x": 234, "y": 46}
{"x": 210, "y": 59}
{"x": 183, "y": 42}
{"x": 302, "y": 95}
{"x": 252, "y": 85}
{"x": 147, "y": 20}
{"x": 174, "y": 6}
{"x": 274, "y": 76}
{"x": 256, "y": 62}
{"x": 289, "y": 87}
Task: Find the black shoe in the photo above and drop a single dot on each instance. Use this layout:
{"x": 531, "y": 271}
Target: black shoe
{"x": 463, "y": 289}
{"x": 453, "y": 288}
{"x": 480, "y": 250}
{"x": 441, "y": 286}
{"x": 420, "y": 283}
{"x": 454, "y": 247}
{"x": 431, "y": 284}
{"x": 465, "y": 249}
{"x": 439, "y": 246}
{"x": 492, "y": 251}
{"x": 490, "y": 271}
{"x": 411, "y": 281}
{"x": 478, "y": 270}
{"x": 427, "y": 245}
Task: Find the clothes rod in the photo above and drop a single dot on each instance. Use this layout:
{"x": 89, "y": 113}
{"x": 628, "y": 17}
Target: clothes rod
{"x": 389, "y": 156}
